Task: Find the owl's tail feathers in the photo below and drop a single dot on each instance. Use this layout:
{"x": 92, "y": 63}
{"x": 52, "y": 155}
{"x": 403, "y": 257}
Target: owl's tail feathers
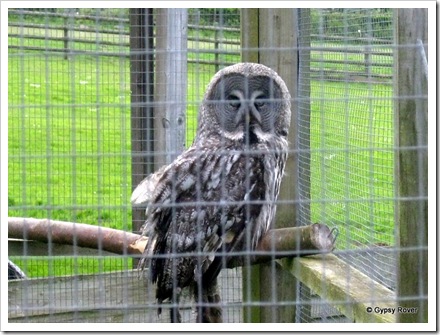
{"x": 208, "y": 303}
{"x": 213, "y": 270}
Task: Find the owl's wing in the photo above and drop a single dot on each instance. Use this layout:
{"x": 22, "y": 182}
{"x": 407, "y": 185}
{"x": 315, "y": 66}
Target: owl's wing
{"x": 143, "y": 193}
{"x": 243, "y": 219}
{"x": 163, "y": 193}
{"x": 240, "y": 198}
{"x": 211, "y": 197}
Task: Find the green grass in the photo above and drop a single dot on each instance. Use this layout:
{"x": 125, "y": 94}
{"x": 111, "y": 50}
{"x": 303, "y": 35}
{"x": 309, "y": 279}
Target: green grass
{"x": 55, "y": 266}
{"x": 65, "y": 132}
{"x": 69, "y": 149}
{"x": 69, "y": 143}
{"x": 352, "y": 159}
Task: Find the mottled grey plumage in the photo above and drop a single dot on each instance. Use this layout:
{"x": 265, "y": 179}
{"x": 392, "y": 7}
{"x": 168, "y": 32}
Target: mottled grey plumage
{"x": 219, "y": 196}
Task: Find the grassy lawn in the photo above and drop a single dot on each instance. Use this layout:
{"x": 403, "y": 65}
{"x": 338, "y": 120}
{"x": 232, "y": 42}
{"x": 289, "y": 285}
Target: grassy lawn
{"x": 69, "y": 148}
{"x": 69, "y": 140}
{"x": 69, "y": 144}
{"x": 352, "y": 161}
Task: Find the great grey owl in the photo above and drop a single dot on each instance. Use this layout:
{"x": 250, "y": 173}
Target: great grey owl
{"x": 219, "y": 196}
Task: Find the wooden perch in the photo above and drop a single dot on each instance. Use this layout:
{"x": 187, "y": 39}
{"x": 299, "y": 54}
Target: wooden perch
{"x": 290, "y": 242}
{"x": 277, "y": 243}
{"x": 80, "y": 234}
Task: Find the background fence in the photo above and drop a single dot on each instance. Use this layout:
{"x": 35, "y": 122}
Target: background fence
{"x": 347, "y": 137}
{"x": 85, "y": 112}
{"x": 70, "y": 32}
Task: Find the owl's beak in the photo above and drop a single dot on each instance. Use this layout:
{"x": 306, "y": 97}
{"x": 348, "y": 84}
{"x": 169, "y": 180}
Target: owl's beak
{"x": 249, "y": 115}
{"x": 254, "y": 114}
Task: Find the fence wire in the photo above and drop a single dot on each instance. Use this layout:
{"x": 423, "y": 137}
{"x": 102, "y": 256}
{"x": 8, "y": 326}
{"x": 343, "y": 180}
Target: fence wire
{"x": 89, "y": 118}
{"x": 69, "y": 142}
{"x": 346, "y": 122}
{"x": 70, "y": 151}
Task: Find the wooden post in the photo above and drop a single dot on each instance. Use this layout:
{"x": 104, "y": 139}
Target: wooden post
{"x": 158, "y": 86}
{"x": 251, "y": 274}
{"x": 411, "y": 118}
{"x": 171, "y": 84}
{"x": 66, "y": 38}
{"x": 216, "y": 48}
{"x": 277, "y": 38}
{"x": 142, "y": 88}
{"x": 249, "y": 35}
{"x": 304, "y": 309}
{"x": 368, "y": 40}
{"x": 67, "y": 33}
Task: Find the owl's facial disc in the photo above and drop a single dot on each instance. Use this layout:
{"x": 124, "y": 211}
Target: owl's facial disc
{"x": 247, "y": 110}
{"x": 246, "y": 107}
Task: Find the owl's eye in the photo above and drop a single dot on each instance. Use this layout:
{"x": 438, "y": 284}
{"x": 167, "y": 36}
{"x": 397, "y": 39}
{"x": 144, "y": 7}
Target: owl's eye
{"x": 234, "y": 101}
{"x": 260, "y": 102}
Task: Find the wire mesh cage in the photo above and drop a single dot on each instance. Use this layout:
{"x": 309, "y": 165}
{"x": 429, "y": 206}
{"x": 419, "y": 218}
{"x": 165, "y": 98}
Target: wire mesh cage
{"x": 348, "y": 137}
{"x": 69, "y": 116}
{"x": 99, "y": 99}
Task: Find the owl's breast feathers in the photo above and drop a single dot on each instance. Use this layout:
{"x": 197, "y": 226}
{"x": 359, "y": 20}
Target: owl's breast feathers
{"x": 209, "y": 200}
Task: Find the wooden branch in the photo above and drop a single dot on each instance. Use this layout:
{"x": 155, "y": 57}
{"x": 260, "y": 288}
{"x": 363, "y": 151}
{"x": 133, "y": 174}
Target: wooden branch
{"x": 313, "y": 239}
{"x": 80, "y": 234}
{"x": 277, "y": 243}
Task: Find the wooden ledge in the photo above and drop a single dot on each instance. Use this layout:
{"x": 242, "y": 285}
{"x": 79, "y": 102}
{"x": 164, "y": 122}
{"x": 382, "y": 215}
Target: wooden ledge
{"x": 349, "y": 290}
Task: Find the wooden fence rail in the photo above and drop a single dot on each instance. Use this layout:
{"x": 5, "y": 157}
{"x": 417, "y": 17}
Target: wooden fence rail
{"x": 66, "y": 15}
{"x": 218, "y": 46}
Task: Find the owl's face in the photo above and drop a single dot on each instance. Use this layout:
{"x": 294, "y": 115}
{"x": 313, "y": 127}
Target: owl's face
{"x": 246, "y": 102}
